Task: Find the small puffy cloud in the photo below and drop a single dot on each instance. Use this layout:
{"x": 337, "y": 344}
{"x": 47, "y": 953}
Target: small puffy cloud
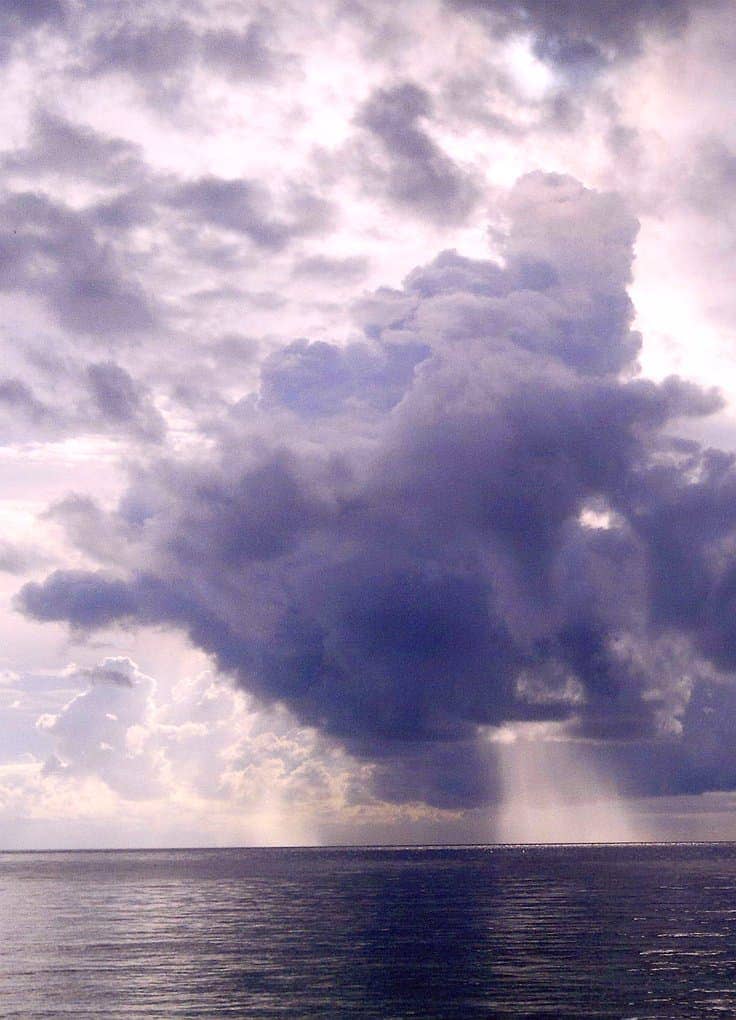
{"x": 94, "y": 734}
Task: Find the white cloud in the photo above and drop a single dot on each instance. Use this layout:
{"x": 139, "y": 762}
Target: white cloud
{"x": 145, "y": 760}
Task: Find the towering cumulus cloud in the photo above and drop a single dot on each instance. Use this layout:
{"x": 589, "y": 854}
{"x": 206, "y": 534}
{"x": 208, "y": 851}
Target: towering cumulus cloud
{"x": 475, "y": 513}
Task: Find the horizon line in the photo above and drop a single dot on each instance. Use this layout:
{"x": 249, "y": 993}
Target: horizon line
{"x": 366, "y": 846}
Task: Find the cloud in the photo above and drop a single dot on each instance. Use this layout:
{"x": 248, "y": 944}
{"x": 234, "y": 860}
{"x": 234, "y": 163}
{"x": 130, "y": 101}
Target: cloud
{"x": 169, "y": 756}
{"x": 332, "y": 269}
{"x": 50, "y": 250}
{"x": 243, "y": 54}
{"x": 409, "y": 168}
{"x": 122, "y": 403}
{"x": 18, "y": 559}
{"x": 472, "y": 517}
{"x": 23, "y": 411}
{"x": 247, "y": 207}
{"x": 96, "y": 398}
{"x": 60, "y": 147}
{"x": 158, "y": 48}
{"x": 319, "y": 378}
{"x": 162, "y": 55}
{"x": 572, "y": 35}
{"x": 94, "y": 733}
{"x": 19, "y": 18}
{"x": 28, "y": 13}
{"x": 425, "y": 517}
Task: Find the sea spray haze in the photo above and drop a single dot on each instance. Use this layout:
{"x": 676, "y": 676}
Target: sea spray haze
{"x": 376, "y": 508}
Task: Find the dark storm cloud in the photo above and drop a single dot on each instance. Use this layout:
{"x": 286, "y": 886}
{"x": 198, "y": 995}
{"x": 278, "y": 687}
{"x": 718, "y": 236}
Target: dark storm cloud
{"x": 89, "y": 601}
{"x": 411, "y": 170}
{"x": 586, "y": 36}
{"x": 448, "y": 774}
{"x": 477, "y": 514}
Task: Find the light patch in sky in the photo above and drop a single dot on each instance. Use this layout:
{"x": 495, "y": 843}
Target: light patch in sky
{"x": 531, "y": 75}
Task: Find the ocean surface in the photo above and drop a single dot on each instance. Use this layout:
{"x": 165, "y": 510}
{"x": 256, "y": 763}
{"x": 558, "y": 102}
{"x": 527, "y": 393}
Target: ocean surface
{"x": 430, "y": 932}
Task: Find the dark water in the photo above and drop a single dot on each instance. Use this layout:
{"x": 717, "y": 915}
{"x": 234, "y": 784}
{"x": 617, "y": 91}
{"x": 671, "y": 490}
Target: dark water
{"x": 626, "y": 931}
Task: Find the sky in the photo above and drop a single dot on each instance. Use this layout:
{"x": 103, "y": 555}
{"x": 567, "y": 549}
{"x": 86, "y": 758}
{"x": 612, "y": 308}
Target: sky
{"x": 367, "y": 422}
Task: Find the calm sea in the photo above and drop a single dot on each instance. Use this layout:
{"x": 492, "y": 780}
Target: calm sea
{"x": 430, "y": 932}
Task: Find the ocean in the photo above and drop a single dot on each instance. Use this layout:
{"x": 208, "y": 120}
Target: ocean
{"x": 627, "y": 931}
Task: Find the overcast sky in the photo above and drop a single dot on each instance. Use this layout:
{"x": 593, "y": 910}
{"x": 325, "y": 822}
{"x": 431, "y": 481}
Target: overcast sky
{"x": 367, "y": 421}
